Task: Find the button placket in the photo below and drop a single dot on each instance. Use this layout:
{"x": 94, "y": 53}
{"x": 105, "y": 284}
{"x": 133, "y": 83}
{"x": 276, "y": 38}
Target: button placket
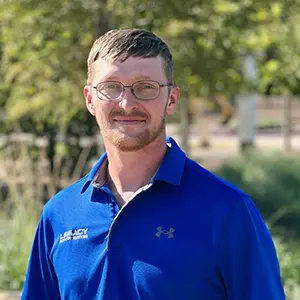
{"x": 115, "y": 240}
{"x": 114, "y": 235}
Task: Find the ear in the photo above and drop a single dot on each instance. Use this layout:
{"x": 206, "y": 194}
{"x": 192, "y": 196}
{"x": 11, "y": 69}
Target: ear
{"x": 87, "y": 92}
{"x": 173, "y": 100}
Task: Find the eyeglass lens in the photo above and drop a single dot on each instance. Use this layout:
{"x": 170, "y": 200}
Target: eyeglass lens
{"x": 144, "y": 90}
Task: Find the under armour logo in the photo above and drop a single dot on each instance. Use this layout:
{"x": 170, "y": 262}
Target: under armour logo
{"x": 169, "y": 232}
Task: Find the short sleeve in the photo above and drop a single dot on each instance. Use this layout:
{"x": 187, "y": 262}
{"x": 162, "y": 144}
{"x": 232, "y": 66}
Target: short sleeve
{"x": 41, "y": 282}
{"x": 247, "y": 257}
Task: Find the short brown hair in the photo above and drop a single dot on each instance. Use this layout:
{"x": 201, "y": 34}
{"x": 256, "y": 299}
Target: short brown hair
{"x": 125, "y": 43}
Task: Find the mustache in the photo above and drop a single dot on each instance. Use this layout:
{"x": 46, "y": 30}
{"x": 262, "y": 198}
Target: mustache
{"x": 135, "y": 113}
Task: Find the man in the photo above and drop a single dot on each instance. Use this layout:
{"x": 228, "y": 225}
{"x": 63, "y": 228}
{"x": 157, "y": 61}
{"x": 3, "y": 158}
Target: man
{"x": 147, "y": 222}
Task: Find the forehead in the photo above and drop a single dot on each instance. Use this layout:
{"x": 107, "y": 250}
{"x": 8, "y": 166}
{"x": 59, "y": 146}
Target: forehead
{"x": 133, "y": 68}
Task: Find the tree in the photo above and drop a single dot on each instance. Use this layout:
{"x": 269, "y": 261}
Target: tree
{"x": 43, "y": 51}
{"x": 210, "y": 39}
{"x": 44, "y": 46}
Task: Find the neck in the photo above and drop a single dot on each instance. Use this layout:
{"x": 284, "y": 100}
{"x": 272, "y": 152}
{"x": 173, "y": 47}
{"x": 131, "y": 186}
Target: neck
{"x": 128, "y": 171}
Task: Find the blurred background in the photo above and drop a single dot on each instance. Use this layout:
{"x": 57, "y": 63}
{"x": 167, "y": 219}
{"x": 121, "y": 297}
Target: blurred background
{"x": 238, "y": 66}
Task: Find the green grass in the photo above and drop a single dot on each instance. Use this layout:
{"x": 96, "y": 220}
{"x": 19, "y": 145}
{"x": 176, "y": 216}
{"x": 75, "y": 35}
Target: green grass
{"x": 19, "y": 215}
{"x": 289, "y": 259}
{"x": 23, "y": 204}
{"x": 16, "y": 237}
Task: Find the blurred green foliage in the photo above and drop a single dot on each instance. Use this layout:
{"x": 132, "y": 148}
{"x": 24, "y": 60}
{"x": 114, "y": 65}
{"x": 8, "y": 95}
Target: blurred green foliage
{"x": 44, "y": 47}
{"x": 210, "y": 40}
{"x": 272, "y": 181}
{"x": 16, "y": 237}
{"x": 43, "y": 51}
{"x": 289, "y": 258}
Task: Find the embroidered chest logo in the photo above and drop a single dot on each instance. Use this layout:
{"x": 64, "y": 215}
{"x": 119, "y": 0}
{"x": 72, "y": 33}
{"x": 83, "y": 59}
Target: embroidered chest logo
{"x": 161, "y": 231}
{"x": 73, "y": 234}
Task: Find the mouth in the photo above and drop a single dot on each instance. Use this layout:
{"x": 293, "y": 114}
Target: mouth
{"x": 129, "y": 121}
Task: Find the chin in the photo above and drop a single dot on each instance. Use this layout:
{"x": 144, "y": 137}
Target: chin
{"x": 127, "y": 143}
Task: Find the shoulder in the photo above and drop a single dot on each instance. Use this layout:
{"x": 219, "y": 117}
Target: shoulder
{"x": 211, "y": 187}
{"x": 222, "y": 203}
{"x": 66, "y": 198}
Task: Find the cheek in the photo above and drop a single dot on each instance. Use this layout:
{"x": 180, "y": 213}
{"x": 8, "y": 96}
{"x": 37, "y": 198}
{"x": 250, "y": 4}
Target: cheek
{"x": 158, "y": 111}
{"x": 102, "y": 113}
{"x": 103, "y": 108}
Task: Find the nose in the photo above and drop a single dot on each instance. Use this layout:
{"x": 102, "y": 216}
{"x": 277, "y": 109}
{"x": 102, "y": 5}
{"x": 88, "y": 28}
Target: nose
{"x": 129, "y": 102}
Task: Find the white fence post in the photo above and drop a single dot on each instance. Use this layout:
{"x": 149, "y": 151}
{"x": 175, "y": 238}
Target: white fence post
{"x": 246, "y": 106}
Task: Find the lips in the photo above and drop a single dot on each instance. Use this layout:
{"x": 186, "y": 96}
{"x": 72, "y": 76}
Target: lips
{"x": 134, "y": 118}
{"x": 129, "y": 121}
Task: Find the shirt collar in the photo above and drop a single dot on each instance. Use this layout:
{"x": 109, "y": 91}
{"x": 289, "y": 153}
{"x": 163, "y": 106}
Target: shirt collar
{"x": 90, "y": 176}
{"x": 170, "y": 170}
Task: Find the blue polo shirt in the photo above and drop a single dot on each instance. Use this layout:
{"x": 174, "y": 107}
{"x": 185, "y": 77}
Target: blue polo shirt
{"x": 186, "y": 235}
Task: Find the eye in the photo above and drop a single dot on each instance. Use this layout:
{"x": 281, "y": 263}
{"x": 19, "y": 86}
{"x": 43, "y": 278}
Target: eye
{"x": 144, "y": 86}
{"x": 111, "y": 86}
{"x": 109, "y": 90}
{"x": 148, "y": 86}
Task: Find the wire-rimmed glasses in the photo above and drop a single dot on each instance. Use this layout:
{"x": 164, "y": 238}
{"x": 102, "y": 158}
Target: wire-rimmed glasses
{"x": 142, "y": 90}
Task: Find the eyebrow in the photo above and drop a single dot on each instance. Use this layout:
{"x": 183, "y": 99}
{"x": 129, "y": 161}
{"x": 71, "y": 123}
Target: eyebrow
{"x": 137, "y": 78}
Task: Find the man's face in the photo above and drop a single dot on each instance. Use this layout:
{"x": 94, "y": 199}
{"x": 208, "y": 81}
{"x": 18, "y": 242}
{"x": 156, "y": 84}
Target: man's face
{"x": 129, "y": 123}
